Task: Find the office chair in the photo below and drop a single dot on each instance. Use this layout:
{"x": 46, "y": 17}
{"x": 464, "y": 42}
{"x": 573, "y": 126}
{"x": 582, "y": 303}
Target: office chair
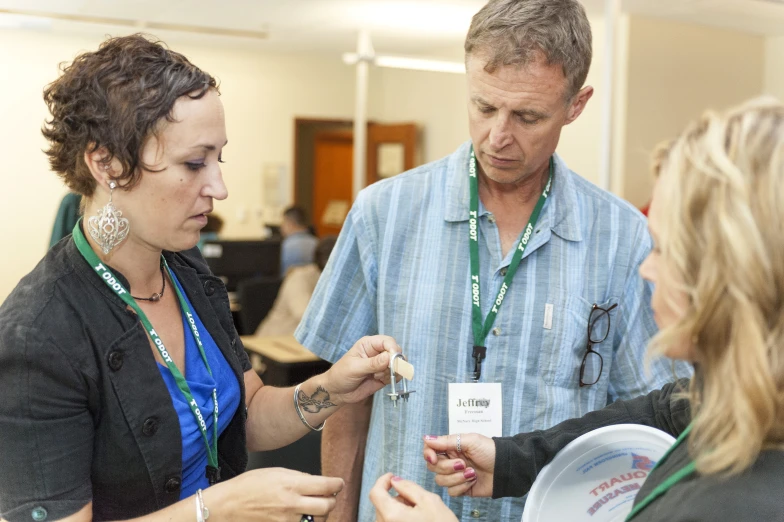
{"x": 256, "y": 297}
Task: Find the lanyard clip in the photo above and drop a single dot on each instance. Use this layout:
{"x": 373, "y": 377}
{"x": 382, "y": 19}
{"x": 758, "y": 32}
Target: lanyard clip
{"x": 213, "y": 475}
{"x": 479, "y": 354}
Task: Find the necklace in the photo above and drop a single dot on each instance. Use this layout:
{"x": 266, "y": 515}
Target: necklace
{"x": 154, "y": 297}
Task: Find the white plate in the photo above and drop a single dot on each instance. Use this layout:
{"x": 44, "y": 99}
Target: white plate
{"x": 596, "y": 476}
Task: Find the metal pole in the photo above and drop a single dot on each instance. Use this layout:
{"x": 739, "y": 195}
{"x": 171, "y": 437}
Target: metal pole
{"x": 611, "y": 12}
{"x": 365, "y": 54}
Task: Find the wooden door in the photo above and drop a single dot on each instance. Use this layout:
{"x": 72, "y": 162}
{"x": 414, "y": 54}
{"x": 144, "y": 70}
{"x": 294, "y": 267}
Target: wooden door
{"x": 332, "y": 174}
{"x": 391, "y": 149}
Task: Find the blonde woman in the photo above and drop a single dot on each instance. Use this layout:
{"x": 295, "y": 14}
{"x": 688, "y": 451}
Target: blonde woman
{"x": 718, "y": 267}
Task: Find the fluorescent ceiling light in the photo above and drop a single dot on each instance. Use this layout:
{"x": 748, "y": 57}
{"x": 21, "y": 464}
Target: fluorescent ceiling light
{"x": 421, "y": 16}
{"x": 402, "y": 62}
{"x": 141, "y": 25}
{"x": 19, "y": 21}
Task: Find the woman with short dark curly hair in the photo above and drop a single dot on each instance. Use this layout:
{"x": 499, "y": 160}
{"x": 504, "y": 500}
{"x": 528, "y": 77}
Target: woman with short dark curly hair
{"x": 115, "y": 99}
{"x": 126, "y": 389}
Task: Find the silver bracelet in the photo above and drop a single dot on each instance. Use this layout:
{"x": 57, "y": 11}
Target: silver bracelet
{"x": 301, "y": 416}
{"x": 202, "y": 513}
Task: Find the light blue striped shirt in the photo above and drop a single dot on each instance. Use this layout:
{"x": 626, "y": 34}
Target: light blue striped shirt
{"x": 401, "y": 268}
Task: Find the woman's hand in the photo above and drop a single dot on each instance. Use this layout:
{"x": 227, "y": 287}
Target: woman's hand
{"x": 362, "y": 371}
{"x": 468, "y": 472}
{"x": 413, "y": 504}
{"x": 272, "y": 494}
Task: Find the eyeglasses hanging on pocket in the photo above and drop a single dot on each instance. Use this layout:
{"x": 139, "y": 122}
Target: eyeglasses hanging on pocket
{"x": 598, "y": 330}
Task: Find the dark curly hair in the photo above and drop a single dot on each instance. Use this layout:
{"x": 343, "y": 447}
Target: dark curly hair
{"x": 114, "y": 98}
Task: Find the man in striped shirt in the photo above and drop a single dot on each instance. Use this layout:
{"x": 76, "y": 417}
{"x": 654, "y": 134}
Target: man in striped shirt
{"x": 403, "y": 267}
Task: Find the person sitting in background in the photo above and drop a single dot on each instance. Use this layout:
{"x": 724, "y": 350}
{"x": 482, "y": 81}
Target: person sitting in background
{"x": 211, "y": 230}
{"x": 718, "y": 299}
{"x": 299, "y": 244}
{"x": 295, "y": 292}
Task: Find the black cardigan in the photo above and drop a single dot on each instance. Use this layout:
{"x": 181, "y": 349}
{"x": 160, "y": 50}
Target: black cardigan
{"x": 84, "y": 413}
{"x": 753, "y": 496}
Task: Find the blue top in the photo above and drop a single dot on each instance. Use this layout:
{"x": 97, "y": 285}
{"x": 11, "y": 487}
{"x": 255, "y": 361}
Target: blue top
{"x": 401, "y": 268}
{"x": 194, "y": 454}
{"x": 296, "y": 250}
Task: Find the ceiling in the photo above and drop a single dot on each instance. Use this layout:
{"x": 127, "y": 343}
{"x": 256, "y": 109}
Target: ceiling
{"x": 411, "y": 27}
{"x": 765, "y": 17}
{"x": 396, "y": 26}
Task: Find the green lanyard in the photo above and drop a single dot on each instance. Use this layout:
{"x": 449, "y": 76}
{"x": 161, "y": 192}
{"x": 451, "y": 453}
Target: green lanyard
{"x": 213, "y": 471}
{"x": 481, "y": 330}
{"x": 673, "y": 479}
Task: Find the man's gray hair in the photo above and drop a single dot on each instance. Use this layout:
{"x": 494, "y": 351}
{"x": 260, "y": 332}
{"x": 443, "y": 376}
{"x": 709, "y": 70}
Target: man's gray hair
{"x": 512, "y": 32}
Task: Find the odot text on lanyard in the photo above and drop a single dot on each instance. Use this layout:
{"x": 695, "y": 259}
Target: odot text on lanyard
{"x": 212, "y": 471}
{"x": 479, "y": 328}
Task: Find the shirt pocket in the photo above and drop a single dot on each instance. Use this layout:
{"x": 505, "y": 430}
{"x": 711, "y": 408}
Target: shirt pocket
{"x": 565, "y": 343}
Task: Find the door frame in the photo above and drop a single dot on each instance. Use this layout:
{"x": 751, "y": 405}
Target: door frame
{"x": 406, "y": 134}
{"x": 305, "y": 130}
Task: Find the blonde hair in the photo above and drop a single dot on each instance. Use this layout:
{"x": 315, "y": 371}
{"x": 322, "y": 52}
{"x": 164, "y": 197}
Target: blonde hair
{"x": 722, "y": 244}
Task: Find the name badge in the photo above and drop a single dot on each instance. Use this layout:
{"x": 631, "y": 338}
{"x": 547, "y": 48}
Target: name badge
{"x": 476, "y": 408}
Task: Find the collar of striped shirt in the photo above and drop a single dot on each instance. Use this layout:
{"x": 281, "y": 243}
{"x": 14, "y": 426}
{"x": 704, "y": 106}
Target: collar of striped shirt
{"x": 560, "y": 210}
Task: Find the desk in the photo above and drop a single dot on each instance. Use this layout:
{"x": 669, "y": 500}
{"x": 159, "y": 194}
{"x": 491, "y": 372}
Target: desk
{"x": 283, "y": 349}
{"x": 281, "y": 360}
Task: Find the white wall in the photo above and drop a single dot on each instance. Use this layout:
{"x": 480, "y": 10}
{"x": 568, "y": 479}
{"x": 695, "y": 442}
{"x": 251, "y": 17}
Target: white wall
{"x": 435, "y": 101}
{"x": 670, "y": 74}
{"x": 675, "y": 72}
{"x": 774, "y": 67}
{"x": 262, "y": 94}
{"x": 581, "y": 141}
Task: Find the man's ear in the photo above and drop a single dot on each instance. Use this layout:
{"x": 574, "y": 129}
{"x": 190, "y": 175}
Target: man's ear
{"x": 578, "y": 103}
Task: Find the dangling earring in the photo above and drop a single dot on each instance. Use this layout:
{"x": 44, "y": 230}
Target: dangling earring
{"x": 108, "y": 228}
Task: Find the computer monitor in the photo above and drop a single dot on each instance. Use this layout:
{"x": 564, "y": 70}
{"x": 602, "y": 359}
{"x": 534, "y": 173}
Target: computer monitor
{"x": 234, "y": 261}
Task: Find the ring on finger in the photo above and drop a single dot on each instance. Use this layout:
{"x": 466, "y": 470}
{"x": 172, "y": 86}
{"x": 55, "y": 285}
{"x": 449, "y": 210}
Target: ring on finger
{"x": 459, "y": 450}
